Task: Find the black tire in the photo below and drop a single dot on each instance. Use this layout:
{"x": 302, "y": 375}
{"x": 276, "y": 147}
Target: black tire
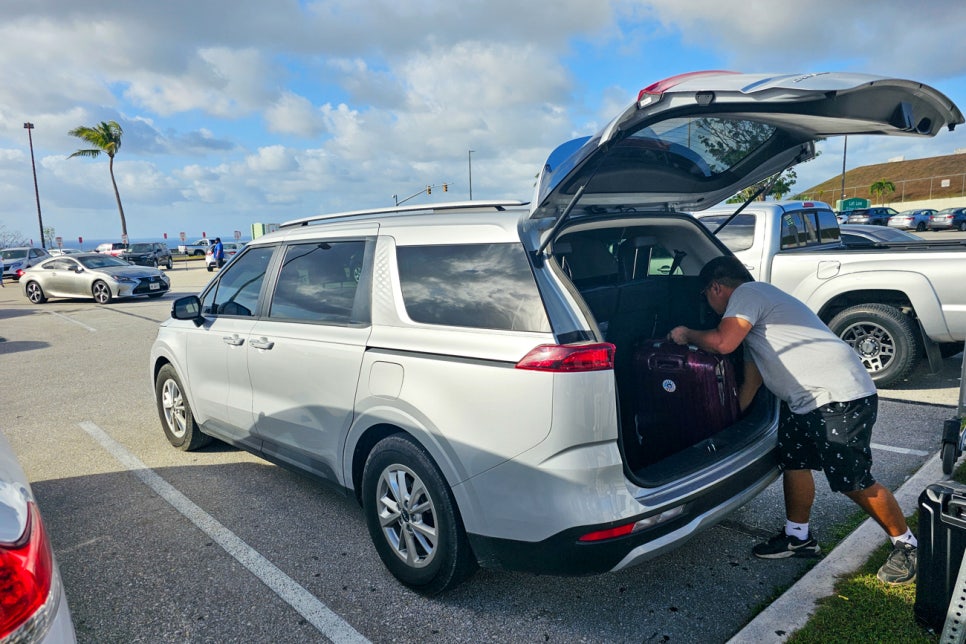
{"x": 169, "y": 265}
{"x": 199, "y": 252}
{"x": 920, "y": 227}
{"x": 178, "y": 422}
{"x": 962, "y": 226}
{"x": 883, "y": 337}
{"x": 425, "y": 545}
{"x": 35, "y": 293}
{"x": 101, "y": 292}
{"x": 948, "y": 453}
{"x": 210, "y": 267}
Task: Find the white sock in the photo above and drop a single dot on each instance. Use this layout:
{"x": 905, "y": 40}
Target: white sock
{"x": 908, "y": 537}
{"x": 797, "y": 530}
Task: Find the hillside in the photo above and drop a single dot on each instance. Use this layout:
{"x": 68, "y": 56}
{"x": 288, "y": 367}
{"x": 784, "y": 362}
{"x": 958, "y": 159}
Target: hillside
{"x": 915, "y": 180}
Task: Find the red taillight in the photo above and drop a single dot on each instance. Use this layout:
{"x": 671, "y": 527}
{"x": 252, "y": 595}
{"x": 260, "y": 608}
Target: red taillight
{"x": 19, "y": 273}
{"x": 26, "y": 570}
{"x": 609, "y": 533}
{"x": 569, "y": 357}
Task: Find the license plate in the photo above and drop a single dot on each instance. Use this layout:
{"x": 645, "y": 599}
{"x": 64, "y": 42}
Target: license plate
{"x": 154, "y": 287}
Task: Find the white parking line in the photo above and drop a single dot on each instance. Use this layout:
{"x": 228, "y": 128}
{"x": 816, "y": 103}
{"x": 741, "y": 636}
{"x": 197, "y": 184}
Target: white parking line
{"x": 315, "y": 612}
{"x": 899, "y": 450}
{"x": 70, "y": 319}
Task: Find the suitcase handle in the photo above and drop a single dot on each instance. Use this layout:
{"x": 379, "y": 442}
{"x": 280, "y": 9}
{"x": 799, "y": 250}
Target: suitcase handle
{"x": 666, "y": 362}
{"x": 955, "y": 511}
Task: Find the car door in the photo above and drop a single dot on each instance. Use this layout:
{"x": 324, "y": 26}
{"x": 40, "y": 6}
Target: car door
{"x": 217, "y": 360}
{"x": 58, "y": 276}
{"x": 305, "y": 355}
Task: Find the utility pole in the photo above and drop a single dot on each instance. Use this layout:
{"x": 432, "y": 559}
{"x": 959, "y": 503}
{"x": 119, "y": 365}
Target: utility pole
{"x": 40, "y": 219}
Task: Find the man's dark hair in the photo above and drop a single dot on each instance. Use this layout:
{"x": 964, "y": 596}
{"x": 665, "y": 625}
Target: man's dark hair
{"x": 726, "y": 270}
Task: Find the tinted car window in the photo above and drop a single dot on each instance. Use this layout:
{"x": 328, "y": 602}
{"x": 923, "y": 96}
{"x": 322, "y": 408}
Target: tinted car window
{"x": 828, "y": 226}
{"x": 318, "y": 282}
{"x": 60, "y": 265}
{"x": 487, "y": 286}
{"x": 236, "y": 292}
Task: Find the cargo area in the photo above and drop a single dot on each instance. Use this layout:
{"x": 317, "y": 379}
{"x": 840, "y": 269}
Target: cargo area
{"x": 638, "y": 282}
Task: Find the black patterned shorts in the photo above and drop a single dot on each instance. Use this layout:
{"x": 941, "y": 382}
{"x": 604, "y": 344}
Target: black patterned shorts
{"x": 834, "y": 438}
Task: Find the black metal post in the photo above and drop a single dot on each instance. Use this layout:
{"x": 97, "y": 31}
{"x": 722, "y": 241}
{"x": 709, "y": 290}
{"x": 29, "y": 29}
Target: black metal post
{"x": 40, "y": 219}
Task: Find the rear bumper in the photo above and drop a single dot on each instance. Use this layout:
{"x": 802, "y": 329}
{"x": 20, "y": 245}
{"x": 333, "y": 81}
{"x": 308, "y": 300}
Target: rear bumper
{"x": 563, "y": 553}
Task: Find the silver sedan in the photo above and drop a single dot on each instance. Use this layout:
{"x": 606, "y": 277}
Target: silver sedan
{"x": 95, "y": 275}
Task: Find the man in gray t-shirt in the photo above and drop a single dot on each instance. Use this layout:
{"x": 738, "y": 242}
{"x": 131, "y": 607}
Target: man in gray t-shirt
{"x": 829, "y": 406}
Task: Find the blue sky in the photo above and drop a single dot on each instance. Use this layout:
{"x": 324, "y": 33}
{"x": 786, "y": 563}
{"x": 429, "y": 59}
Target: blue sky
{"x": 245, "y": 111}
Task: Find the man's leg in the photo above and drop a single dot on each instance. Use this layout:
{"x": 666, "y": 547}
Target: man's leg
{"x": 879, "y": 503}
{"x": 799, "y": 489}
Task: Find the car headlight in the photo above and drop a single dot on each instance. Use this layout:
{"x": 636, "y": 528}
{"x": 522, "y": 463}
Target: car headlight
{"x": 124, "y": 280}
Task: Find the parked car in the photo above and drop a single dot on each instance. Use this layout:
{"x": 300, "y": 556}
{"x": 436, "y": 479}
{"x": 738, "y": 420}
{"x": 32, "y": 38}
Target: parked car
{"x": 111, "y": 248}
{"x": 842, "y": 216}
{"x": 874, "y": 216}
{"x": 64, "y": 251}
{"x": 231, "y": 249}
{"x": 917, "y": 220}
{"x": 34, "y": 604}
{"x": 148, "y": 254}
{"x": 18, "y": 259}
{"x": 101, "y": 277}
{"x": 866, "y": 235}
{"x": 472, "y": 376}
{"x": 949, "y": 219}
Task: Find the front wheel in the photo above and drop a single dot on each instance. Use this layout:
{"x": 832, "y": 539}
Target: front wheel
{"x": 412, "y": 518}
{"x": 920, "y": 227}
{"x": 169, "y": 265}
{"x": 102, "y": 292}
{"x": 962, "y": 227}
{"x": 883, "y": 337}
{"x": 177, "y": 420}
{"x": 35, "y": 293}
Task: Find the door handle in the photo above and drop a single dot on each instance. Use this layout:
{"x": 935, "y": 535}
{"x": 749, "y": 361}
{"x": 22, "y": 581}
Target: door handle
{"x": 234, "y": 340}
{"x": 262, "y": 343}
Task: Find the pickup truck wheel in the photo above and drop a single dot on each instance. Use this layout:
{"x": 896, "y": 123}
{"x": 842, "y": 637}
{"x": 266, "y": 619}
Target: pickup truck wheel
{"x": 883, "y": 337}
{"x": 412, "y": 518}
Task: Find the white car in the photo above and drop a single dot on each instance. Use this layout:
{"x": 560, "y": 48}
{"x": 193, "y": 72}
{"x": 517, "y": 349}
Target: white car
{"x": 231, "y": 248}
{"x": 34, "y": 604}
{"x": 64, "y": 251}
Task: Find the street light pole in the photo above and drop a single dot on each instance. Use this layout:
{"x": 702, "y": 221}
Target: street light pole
{"x": 845, "y": 147}
{"x": 40, "y": 219}
{"x": 469, "y": 162}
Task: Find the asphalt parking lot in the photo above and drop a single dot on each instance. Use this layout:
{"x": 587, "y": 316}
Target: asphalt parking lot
{"x": 219, "y": 546}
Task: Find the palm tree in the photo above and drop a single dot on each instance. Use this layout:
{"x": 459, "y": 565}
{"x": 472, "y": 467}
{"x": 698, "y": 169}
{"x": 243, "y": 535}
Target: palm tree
{"x": 106, "y": 138}
{"x": 882, "y": 187}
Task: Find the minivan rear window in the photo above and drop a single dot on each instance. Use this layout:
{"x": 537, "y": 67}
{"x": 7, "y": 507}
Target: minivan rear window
{"x": 484, "y": 286}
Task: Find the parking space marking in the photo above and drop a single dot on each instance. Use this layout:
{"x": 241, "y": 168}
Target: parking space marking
{"x": 291, "y": 592}
{"x": 899, "y": 450}
{"x": 70, "y": 319}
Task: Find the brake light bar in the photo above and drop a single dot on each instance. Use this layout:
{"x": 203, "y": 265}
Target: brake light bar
{"x": 569, "y": 358}
{"x": 662, "y": 86}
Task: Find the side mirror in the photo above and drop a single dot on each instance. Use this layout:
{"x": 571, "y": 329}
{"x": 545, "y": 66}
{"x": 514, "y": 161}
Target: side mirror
{"x": 187, "y": 308}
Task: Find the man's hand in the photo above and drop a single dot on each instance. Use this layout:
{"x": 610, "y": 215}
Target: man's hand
{"x": 679, "y": 335}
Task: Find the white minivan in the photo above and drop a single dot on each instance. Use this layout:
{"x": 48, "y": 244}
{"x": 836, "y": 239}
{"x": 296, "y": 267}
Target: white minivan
{"x": 466, "y": 370}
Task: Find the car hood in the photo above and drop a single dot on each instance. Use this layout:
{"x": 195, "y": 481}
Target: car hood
{"x": 129, "y": 271}
{"x": 690, "y": 142}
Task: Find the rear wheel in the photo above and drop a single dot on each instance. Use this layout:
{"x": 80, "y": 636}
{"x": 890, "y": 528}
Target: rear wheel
{"x": 101, "y": 292}
{"x": 34, "y": 293}
{"x": 883, "y": 337}
{"x": 412, "y": 517}
{"x": 920, "y": 227}
{"x": 175, "y": 412}
{"x": 962, "y": 226}
{"x": 169, "y": 265}
{"x": 949, "y": 458}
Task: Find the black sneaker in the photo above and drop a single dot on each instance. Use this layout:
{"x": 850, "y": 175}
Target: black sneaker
{"x": 900, "y": 566}
{"x": 782, "y": 545}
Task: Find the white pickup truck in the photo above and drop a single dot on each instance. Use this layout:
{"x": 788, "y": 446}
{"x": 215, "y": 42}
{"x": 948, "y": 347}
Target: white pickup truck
{"x": 199, "y": 247}
{"x": 892, "y": 302}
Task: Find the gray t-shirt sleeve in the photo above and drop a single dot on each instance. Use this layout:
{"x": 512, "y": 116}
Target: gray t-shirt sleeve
{"x": 801, "y": 361}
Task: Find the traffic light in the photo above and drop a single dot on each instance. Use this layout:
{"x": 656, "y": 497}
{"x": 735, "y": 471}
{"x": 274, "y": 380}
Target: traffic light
{"x": 429, "y": 190}
{"x": 445, "y": 188}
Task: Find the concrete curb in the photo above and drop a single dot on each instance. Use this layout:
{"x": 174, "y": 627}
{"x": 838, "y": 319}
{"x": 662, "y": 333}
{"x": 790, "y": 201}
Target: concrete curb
{"x": 792, "y": 610}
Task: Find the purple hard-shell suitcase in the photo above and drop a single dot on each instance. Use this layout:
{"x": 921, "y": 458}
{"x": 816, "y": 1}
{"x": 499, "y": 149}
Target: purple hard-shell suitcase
{"x": 684, "y": 395}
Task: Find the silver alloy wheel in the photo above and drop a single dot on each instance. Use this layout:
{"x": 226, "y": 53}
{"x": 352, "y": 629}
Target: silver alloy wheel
{"x": 407, "y": 515}
{"x": 102, "y": 292}
{"x": 34, "y": 293}
{"x": 874, "y": 344}
{"x": 172, "y": 401}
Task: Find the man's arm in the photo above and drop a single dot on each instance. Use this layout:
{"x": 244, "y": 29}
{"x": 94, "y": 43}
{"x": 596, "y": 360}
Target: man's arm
{"x": 730, "y": 333}
{"x": 750, "y": 385}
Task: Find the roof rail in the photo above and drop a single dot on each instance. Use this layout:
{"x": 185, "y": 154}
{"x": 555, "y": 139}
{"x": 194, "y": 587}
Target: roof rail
{"x": 438, "y": 208}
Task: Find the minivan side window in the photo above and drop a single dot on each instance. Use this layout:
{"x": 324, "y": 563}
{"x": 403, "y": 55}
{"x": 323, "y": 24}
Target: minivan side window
{"x": 483, "y": 286}
{"x": 236, "y": 292}
{"x": 318, "y": 282}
